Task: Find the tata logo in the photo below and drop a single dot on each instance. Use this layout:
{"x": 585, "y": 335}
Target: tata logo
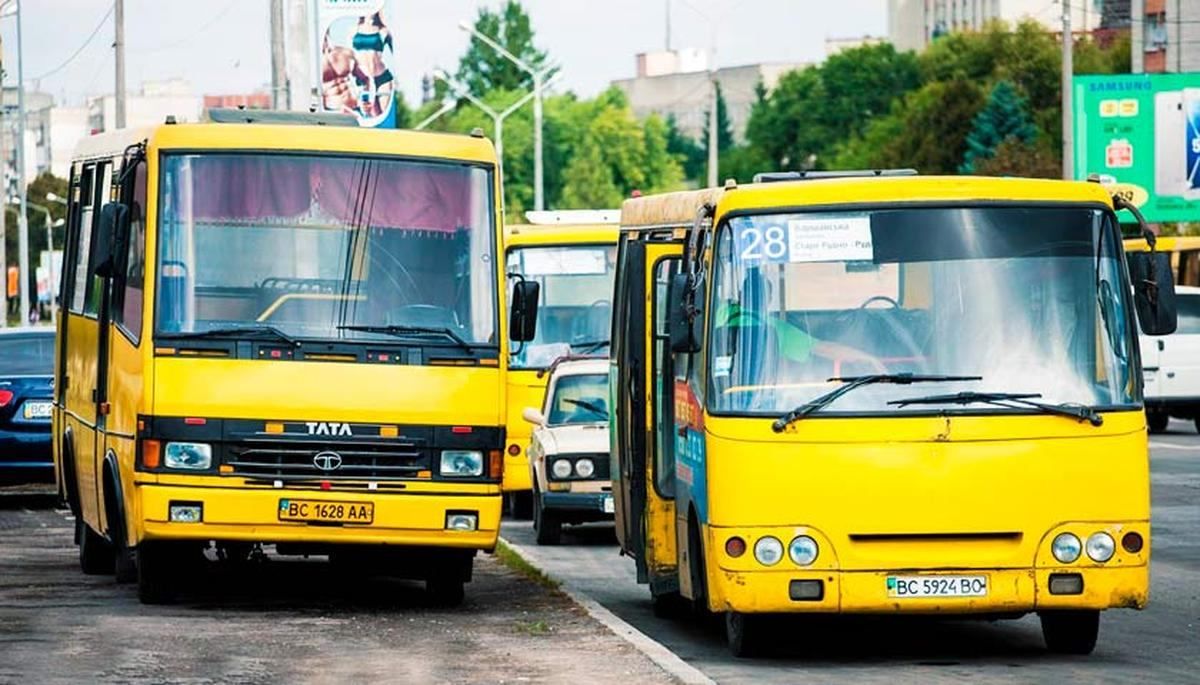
{"x": 327, "y": 461}
{"x": 327, "y": 428}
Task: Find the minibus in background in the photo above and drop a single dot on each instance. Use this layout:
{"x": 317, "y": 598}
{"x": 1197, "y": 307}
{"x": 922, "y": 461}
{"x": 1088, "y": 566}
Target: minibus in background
{"x": 878, "y": 393}
{"x": 571, "y": 255}
{"x": 283, "y": 328}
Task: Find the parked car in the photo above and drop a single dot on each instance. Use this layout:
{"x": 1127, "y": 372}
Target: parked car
{"x": 568, "y": 452}
{"x": 26, "y": 381}
{"x": 1171, "y": 366}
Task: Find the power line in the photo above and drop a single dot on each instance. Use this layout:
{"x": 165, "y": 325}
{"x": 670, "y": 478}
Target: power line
{"x": 75, "y": 54}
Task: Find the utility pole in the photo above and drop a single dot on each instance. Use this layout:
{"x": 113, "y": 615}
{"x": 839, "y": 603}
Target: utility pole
{"x": 713, "y": 158}
{"x": 668, "y": 25}
{"x": 1068, "y": 43}
{"x": 22, "y": 219}
{"x": 119, "y": 55}
{"x": 279, "y": 84}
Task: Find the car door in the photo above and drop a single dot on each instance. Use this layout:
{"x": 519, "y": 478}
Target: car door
{"x": 1179, "y": 353}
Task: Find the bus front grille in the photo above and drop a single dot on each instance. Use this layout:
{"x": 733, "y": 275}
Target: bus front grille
{"x": 326, "y": 462}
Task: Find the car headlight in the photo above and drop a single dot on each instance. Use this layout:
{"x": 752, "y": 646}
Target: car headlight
{"x": 192, "y": 456}
{"x": 1066, "y": 548}
{"x": 561, "y": 468}
{"x": 585, "y": 468}
{"x": 768, "y": 551}
{"x": 1100, "y": 547}
{"x": 803, "y": 550}
{"x": 462, "y": 463}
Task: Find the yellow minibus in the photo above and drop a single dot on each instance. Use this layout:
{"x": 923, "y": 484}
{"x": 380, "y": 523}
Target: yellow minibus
{"x": 282, "y": 329}
{"x": 879, "y": 393}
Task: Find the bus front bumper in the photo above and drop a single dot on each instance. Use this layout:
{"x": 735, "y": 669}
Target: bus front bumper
{"x": 867, "y": 592}
{"x": 252, "y": 515}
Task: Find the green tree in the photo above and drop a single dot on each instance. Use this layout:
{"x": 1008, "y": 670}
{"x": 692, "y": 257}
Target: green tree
{"x": 1014, "y": 157}
{"x": 483, "y": 69}
{"x": 686, "y": 149}
{"x": 404, "y": 114}
{"x": 1004, "y": 117}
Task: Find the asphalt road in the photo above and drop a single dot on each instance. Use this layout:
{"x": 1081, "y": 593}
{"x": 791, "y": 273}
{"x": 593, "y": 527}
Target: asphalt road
{"x": 1158, "y": 645}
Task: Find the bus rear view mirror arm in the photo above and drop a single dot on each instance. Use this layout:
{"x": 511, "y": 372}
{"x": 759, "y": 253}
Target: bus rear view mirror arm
{"x": 522, "y": 323}
{"x": 1153, "y": 281}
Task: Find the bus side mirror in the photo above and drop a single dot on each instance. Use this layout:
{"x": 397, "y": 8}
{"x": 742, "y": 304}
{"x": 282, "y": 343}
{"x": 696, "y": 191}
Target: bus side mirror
{"x": 522, "y": 322}
{"x": 1153, "y": 292}
{"x": 114, "y": 225}
{"x": 681, "y": 324}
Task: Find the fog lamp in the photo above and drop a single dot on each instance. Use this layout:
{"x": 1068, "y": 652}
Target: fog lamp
{"x": 806, "y": 590}
{"x": 185, "y": 512}
{"x": 462, "y": 521}
{"x": 1066, "y": 584}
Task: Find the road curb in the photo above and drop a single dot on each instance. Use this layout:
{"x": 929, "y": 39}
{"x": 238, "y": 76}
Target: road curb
{"x": 651, "y": 648}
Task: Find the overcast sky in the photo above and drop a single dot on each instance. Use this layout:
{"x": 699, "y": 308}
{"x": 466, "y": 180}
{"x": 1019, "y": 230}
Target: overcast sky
{"x": 222, "y": 46}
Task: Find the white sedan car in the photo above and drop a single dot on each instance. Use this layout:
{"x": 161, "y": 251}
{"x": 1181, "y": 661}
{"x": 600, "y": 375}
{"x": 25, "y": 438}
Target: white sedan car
{"x": 1171, "y": 366}
{"x": 568, "y": 453}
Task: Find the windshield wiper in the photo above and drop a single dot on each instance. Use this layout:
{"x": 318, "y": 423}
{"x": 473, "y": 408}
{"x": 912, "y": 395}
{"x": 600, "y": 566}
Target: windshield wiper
{"x": 258, "y": 331}
{"x": 589, "y": 345}
{"x": 1009, "y": 400}
{"x": 852, "y": 382}
{"x": 402, "y": 331}
{"x": 594, "y": 408}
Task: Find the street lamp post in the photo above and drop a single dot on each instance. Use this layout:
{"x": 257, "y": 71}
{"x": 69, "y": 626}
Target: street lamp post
{"x": 49, "y": 251}
{"x": 540, "y": 81}
{"x": 22, "y": 220}
{"x": 713, "y": 139}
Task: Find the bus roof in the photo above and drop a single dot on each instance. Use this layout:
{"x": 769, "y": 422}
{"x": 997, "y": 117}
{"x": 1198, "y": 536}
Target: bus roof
{"x": 679, "y": 208}
{"x": 516, "y": 235}
{"x": 284, "y": 137}
{"x": 1165, "y": 243}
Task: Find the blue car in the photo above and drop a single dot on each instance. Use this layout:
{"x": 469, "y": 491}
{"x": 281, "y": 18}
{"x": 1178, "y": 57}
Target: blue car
{"x": 26, "y": 395}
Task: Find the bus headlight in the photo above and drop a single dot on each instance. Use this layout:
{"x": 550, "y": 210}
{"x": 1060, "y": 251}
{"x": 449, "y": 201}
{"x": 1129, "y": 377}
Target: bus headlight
{"x": 585, "y": 468}
{"x": 191, "y": 456}
{"x": 561, "y": 468}
{"x": 768, "y": 551}
{"x": 1100, "y": 547}
{"x": 462, "y": 463}
{"x": 1066, "y": 548}
{"x": 803, "y": 550}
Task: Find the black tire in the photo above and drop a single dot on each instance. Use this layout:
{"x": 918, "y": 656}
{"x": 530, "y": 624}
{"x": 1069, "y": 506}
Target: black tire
{"x": 745, "y": 634}
{"x": 546, "y": 523}
{"x": 445, "y": 592}
{"x": 1197, "y": 422}
{"x": 95, "y": 553}
{"x": 696, "y": 571}
{"x": 125, "y": 567}
{"x": 157, "y": 571}
{"x": 521, "y": 505}
{"x": 1070, "y": 632}
{"x": 1157, "y": 421}
{"x": 668, "y": 605}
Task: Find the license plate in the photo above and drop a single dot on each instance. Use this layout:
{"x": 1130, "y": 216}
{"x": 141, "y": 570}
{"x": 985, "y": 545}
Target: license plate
{"x": 38, "y": 410}
{"x": 607, "y": 505}
{"x": 321, "y": 511}
{"x": 937, "y": 586}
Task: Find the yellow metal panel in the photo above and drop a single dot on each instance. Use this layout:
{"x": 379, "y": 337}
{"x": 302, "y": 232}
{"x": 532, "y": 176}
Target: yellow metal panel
{"x": 525, "y": 389}
{"x": 516, "y": 235}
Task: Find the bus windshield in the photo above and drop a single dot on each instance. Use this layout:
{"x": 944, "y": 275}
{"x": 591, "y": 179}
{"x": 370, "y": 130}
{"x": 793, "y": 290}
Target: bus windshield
{"x": 1032, "y": 299}
{"x": 347, "y": 248}
{"x": 576, "y": 300}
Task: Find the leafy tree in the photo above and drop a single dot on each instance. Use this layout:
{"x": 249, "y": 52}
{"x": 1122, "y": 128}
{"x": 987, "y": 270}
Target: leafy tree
{"x": 589, "y": 181}
{"x": 686, "y": 149}
{"x": 1014, "y": 157}
{"x": 404, "y": 114}
{"x": 483, "y": 69}
{"x": 1004, "y": 117}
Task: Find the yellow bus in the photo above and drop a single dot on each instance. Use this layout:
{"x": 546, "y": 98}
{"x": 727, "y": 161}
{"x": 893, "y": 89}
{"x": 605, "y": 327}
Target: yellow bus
{"x": 1184, "y": 252}
{"x": 572, "y": 256}
{"x": 885, "y": 394}
{"x": 283, "y": 329}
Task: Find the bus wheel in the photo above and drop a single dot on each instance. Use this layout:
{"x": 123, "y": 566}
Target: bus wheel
{"x": 668, "y": 605}
{"x": 521, "y": 505}
{"x": 95, "y": 554}
{"x": 546, "y": 523}
{"x": 158, "y": 564}
{"x": 1070, "y": 632}
{"x": 744, "y": 633}
{"x": 1157, "y": 420}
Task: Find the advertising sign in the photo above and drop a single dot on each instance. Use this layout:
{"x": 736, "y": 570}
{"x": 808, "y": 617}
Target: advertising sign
{"x": 357, "y": 60}
{"x": 1141, "y": 134}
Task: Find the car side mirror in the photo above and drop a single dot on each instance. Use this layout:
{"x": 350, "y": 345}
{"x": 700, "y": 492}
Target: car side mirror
{"x": 522, "y": 322}
{"x": 681, "y": 321}
{"x": 533, "y": 416}
{"x": 1153, "y": 292}
{"x": 114, "y": 226}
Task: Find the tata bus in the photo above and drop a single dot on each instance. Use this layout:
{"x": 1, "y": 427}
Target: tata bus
{"x": 880, "y": 393}
{"x": 282, "y": 329}
{"x": 571, "y": 255}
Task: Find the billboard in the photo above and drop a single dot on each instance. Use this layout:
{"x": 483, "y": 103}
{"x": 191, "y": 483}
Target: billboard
{"x": 354, "y": 40}
{"x": 1141, "y": 133}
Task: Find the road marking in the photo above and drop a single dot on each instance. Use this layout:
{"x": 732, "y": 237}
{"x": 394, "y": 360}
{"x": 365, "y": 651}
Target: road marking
{"x": 655, "y": 651}
{"x": 1173, "y": 446}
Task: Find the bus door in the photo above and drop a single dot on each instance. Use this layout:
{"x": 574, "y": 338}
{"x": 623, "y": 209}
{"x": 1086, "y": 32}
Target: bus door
{"x": 644, "y": 471}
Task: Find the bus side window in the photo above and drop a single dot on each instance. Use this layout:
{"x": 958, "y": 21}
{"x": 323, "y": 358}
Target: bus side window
{"x": 664, "y": 382}
{"x": 82, "y": 203}
{"x": 91, "y": 217}
{"x": 127, "y": 310}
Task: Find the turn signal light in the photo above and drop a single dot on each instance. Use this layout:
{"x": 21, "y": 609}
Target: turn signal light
{"x": 735, "y": 547}
{"x": 5, "y": 397}
{"x": 495, "y": 465}
{"x": 151, "y": 454}
{"x": 1132, "y": 542}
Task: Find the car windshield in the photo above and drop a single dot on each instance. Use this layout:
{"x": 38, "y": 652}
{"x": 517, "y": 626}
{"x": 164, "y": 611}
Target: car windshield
{"x": 579, "y": 398}
{"x": 1189, "y": 313}
{"x": 1033, "y": 300}
{"x": 323, "y": 247}
{"x": 576, "y": 300}
{"x": 27, "y": 355}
